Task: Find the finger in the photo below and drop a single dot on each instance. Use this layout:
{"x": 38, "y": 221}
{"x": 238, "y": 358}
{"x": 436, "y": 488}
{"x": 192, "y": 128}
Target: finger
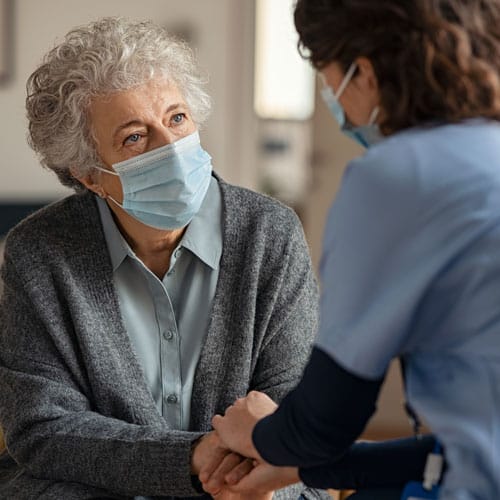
{"x": 224, "y": 495}
{"x": 216, "y": 421}
{"x": 216, "y": 480}
{"x": 211, "y": 465}
{"x": 250, "y": 482}
{"x": 239, "y": 472}
{"x": 217, "y": 494}
{"x": 265, "y": 478}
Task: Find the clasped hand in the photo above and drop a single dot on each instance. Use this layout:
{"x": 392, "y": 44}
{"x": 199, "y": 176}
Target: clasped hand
{"x": 228, "y": 465}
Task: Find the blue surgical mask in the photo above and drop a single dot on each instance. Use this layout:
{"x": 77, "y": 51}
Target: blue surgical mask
{"x": 366, "y": 135}
{"x": 164, "y": 188}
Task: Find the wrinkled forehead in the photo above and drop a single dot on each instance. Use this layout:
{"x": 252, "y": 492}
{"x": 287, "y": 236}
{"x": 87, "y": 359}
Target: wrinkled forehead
{"x": 142, "y": 103}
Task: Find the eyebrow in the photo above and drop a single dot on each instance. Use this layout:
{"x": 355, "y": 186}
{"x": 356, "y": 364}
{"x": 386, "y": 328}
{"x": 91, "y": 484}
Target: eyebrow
{"x": 177, "y": 105}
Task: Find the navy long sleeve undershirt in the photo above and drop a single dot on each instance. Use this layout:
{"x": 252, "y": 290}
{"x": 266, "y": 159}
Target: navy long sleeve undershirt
{"x": 385, "y": 464}
{"x": 320, "y": 419}
{"x": 317, "y": 423}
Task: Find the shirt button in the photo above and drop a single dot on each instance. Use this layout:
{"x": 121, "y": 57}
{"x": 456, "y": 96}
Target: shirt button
{"x": 168, "y": 335}
{"x": 177, "y": 253}
{"x": 172, "y": 399}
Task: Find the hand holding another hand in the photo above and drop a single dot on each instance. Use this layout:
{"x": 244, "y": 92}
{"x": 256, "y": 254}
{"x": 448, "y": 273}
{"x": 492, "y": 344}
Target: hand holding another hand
{"x": 235, "y": 467}
{"x": 209, "y": 454}
{"x": 251, "y": 480}
{"x": 237, "y": 478}
{"x": 236, "y": 426}
{"x": 208, "y": 451}
{"x": 228, "y": 475}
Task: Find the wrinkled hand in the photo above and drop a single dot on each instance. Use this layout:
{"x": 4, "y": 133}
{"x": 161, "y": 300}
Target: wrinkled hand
{"x": 236, "y": 426}
{"x": 208, "y": 450}
{"x": 210, "y": 454}
{"x": 221, "y": 490}
{"x": 212, "y": 475}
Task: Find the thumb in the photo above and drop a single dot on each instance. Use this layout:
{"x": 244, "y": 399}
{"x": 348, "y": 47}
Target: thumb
{"x": 216, "y": 421}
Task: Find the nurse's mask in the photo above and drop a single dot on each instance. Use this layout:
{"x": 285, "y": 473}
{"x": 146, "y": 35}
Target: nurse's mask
{"x": 366, "y": 135}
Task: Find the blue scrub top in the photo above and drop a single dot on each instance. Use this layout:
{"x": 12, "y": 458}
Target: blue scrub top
{"x": 411, "y": 267}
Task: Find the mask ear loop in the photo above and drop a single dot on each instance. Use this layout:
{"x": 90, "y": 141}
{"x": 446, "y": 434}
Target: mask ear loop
{"x": 345, "y": 81}
{"x": 100, "y": 192}
{"x": 373, "y": 115}
{"x": 347, "y": 78}
{"x": 105, "y": 170}
{"x": 343, "y": 84}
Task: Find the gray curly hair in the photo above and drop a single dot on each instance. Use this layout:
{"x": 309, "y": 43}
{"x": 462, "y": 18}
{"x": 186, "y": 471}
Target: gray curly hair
{"x": 106, "y": 56}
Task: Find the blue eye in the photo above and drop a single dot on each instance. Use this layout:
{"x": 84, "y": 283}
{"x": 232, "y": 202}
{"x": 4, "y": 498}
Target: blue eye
{"x": 132, "y": 138}
{"x": 178, "y": 118}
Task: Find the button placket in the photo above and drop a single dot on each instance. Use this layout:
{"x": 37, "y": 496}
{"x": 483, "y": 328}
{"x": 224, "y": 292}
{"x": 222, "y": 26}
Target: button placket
{"x": 168, "y": 335}
{"x": 172, "y": 399}
{"x": 170, "y": 363}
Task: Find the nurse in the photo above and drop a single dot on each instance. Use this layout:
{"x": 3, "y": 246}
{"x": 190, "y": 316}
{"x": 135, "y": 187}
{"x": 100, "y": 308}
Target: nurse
{"x": 411, "y": 257}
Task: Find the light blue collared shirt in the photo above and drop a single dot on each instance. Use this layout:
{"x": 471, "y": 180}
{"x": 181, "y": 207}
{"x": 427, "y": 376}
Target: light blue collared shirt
{"x": 167, "y": 319}
{"x": 411, "y": 267}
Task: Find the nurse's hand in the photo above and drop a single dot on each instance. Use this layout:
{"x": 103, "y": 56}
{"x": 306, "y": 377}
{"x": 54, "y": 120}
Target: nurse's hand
{"x": 262, "y": 478}
{"x": 236, "y": 426}
{"x": 234, "y": 472}
{"x": 229, "y": 495}
{"x": 213, "y": 480}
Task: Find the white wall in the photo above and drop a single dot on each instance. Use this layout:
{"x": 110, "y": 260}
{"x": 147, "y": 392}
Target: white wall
{"x": 223, "y": 39}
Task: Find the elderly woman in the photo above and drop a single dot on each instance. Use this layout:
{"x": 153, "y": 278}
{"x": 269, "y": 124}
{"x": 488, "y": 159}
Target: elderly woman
{"x": 144, "y": 304}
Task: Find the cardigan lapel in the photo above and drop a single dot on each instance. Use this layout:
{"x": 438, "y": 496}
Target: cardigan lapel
{"x": 105, "y": 345}
{"x": 211, "y": 389}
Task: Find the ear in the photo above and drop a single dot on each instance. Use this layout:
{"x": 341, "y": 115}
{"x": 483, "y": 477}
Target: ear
{"x": 89, "y": 182}
{"x": 366, "y": 77}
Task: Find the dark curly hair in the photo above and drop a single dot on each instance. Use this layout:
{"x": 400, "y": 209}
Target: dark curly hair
{"x": 435, "y": 60}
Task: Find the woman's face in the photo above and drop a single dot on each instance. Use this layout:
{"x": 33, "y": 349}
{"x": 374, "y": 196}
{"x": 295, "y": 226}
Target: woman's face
{"x": 129, "y": 123}
{"x": 361, "y": 95}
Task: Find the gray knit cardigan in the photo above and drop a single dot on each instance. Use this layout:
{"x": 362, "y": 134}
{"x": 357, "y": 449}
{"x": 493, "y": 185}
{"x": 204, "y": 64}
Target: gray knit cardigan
{"x": 79, "y": 419}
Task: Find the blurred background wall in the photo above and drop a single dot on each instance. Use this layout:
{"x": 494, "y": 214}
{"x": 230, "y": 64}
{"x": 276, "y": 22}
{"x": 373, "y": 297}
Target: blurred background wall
{"x": 291, "y": 149}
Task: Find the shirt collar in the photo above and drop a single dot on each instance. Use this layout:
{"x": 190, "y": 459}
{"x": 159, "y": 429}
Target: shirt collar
{"x": 203, "y": 236}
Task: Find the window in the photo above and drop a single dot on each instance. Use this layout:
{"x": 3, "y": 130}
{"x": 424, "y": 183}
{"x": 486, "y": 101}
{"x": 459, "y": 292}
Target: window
{"x": 284, "y": 82}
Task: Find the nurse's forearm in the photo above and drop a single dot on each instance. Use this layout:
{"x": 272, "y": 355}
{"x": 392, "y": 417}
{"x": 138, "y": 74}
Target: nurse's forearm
{"x": 319, "y": 420}
{"x": 373, "y": 464}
